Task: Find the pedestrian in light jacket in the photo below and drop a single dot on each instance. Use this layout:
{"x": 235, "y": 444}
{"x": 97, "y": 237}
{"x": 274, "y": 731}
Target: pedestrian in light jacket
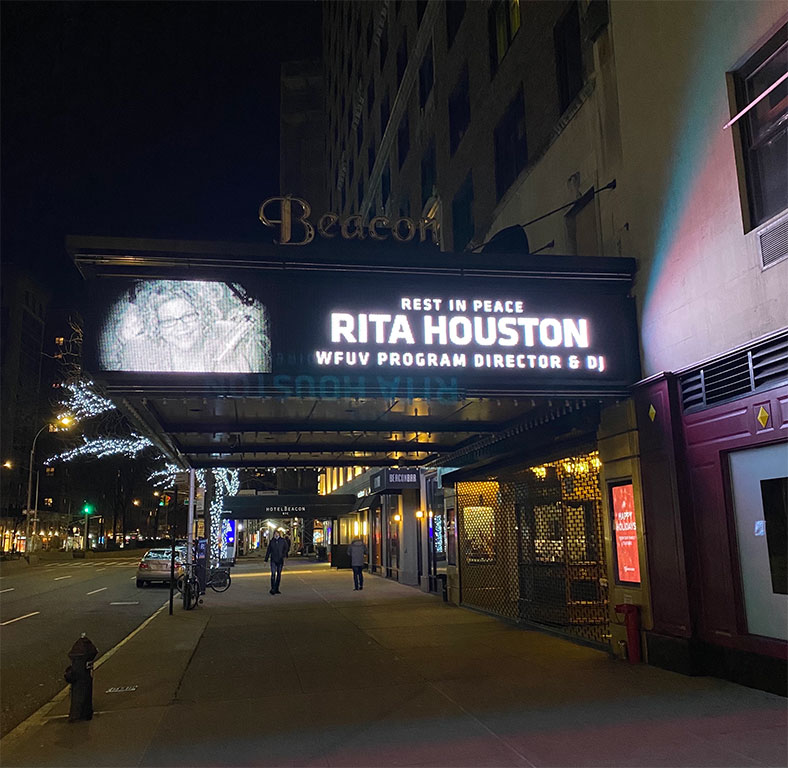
{"x": 277, "y": 552}
{"x": 357, "y": 550}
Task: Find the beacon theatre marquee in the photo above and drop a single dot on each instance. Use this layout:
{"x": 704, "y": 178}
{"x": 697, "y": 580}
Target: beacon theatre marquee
{"x": 366, "y": 331}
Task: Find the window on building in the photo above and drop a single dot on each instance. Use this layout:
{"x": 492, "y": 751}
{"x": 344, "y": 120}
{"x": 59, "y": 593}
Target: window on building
{"x": 403, "y": 139}
{"x": 402, "y": 58}
{"x": 455, "y": 10}
{"x": 370, "y": 96}
{"x": 428, "y": 173}
{"x": 459, "y": 111}
{"x": 385, "y": 185}
{"x": 385, "y": 111}
{"x": 426, "y": 77}
{"x": 568, "y": 56}
{"x": 763, "y": 130}
{"x": 48, "y": 501}
{"x": 462, "y": 215}
{"x": 511, "y": 148}
{"x": 503, "y": 21}
{"x": 50, "y": 471}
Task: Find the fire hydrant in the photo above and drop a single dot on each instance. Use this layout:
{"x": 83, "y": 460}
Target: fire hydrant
{"x": 80, "y": 675}
{"x": 632, "y": 622}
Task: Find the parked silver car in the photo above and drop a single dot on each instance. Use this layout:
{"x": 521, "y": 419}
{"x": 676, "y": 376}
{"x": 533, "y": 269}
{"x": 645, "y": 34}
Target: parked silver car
{"x": 155, "y": 566}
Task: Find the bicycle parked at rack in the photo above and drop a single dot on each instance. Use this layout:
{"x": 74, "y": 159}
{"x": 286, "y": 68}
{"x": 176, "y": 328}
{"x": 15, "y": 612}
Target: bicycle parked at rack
{"x": 218, "y": 580}
{"x": 189, "y": 586}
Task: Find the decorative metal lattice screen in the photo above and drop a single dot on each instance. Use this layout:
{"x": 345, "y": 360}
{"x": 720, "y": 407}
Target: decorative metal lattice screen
{"x": 532, "y": 547}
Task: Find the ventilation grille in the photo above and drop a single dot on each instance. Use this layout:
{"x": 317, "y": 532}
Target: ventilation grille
{"x": 774, "y": 243}
{"x": 761, "y": 366}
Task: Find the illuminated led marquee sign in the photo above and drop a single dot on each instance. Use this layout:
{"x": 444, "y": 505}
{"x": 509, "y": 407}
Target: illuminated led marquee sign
{"x": 329, "y": 332}
{"x": 460, "y": 333}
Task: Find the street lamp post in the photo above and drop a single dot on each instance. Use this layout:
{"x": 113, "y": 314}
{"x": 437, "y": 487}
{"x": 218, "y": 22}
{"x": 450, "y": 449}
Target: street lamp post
{"x": 65, "y": 421}
{"x": 30, "y": 488}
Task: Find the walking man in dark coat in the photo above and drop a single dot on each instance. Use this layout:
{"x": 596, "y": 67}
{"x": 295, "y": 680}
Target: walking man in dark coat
{"x": 277, "y": 550}
{"x": 357, "y": 549}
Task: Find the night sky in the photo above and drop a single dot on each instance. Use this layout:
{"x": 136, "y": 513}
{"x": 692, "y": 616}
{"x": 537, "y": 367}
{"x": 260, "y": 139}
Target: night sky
{"x": 141, "y": 120}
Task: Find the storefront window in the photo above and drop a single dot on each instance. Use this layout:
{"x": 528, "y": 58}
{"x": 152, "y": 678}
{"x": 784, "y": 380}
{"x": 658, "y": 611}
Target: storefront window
{"x": 774, "y": 494}
{"x": 759, "y": 488}
{"x": 479, "y": 523}
{"x": 531, "y": 546}
{"x": 451, "y": 536}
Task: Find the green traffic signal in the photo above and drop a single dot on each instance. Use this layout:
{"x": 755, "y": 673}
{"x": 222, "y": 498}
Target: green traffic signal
{"x": 88, "y": 509}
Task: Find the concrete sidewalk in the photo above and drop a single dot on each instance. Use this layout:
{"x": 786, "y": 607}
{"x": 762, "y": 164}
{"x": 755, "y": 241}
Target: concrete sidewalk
{"x": 324, "y": 676}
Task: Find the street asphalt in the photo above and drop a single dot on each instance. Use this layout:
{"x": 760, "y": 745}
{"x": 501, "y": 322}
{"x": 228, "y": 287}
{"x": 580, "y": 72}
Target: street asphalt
{"x": 323, "y": 675}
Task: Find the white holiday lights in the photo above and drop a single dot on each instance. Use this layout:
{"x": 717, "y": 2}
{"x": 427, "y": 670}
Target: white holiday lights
{"x": 164, "y": 477}
{"x": 83, "y": 401}
{"x": 101, "y": 447}
{"x": 227, "y": 482}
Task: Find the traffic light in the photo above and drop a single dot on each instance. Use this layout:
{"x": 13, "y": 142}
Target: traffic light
{"x": 165, "y": 499}
{"x": 88, "y": 509}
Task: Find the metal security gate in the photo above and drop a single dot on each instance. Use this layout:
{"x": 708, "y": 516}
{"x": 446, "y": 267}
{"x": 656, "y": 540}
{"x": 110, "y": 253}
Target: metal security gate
{"x": 532, "y": 547}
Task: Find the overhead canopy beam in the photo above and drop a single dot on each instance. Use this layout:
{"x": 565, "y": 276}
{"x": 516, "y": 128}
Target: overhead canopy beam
{"x": 305, "y": 462}
{"x": 348, "y": 426}
{"x": 385, "y": 447}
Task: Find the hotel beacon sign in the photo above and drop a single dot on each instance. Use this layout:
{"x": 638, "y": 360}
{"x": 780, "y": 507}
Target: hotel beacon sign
{"x": 292, "y": 216}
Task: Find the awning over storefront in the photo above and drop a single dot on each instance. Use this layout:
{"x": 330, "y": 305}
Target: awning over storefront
{"x": 369, "y": 502}
{"x": 281, "y": 506}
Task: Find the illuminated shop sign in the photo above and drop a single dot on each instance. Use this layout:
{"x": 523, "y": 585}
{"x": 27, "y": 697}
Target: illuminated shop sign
{"x": 626, "y": 535}
{"x": 295, "y": 225}
{"x": 396, "y": 478}
{"x": 336, "y": 334}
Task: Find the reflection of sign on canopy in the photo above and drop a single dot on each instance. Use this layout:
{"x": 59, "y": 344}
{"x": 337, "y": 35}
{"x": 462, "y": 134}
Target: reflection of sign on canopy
{"x": 178, "y": 326}
{"x": 625, "y": 528}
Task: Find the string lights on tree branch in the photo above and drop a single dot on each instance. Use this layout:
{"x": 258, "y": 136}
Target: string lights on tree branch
{"x": 102, "y": 447}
